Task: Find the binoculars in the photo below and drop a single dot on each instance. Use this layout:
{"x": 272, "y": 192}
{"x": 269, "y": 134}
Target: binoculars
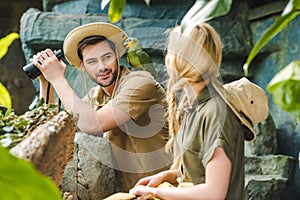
{"x": 32, "y": 71}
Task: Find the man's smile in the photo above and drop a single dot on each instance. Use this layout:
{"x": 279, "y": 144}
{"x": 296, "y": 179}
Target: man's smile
{"x": 104, "y": 74}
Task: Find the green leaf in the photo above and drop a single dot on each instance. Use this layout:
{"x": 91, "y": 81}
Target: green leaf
{"x": 3, "y": 109}
{"x": 289, "y": 13}
{"x": 41, "y": 102}
{"x": 285, "y": 88}
{"x": 115, "y": 10}
{"x": 6, "y": 42}
{"x": 8, "y": 112}
{"x": 292, "y": 5}
{"x": 147, "y": 2}
{"x": 20, "y": 180}
{"x": 5, "y": 99}
{"x": 8, "y": 128}
{"x": 204, "y": 10}
{"x": 104, "y": 3}
{"x": 296, "y": 4}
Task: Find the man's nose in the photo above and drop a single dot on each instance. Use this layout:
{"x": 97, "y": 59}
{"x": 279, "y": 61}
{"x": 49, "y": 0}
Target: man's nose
{"x": 100, "y": 65}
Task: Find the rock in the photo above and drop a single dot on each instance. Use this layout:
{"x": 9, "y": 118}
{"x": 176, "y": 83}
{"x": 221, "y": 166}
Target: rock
{"x": 280, "y": 165}
{"x": 264, "y": 187}
{"x": 266, "y": 177}
{"x": 265, "y": 142}
{"x": 90, "y": 175}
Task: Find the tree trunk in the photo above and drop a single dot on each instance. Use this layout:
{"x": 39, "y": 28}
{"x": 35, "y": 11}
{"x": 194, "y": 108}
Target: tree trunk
{"x": 50, "y": 146}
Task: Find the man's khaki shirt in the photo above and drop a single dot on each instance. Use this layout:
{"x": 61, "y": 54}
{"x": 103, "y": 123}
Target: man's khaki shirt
{"x": 138, "y": 145}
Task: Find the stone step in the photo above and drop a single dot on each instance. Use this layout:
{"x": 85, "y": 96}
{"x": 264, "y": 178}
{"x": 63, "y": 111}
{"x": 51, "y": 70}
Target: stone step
{"x": 277, "y": 165}
{"x": 262, "y": 187}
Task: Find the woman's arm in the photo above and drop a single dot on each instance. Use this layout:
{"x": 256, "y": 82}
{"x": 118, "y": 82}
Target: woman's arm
{"x": 43, "y": 90}
{"x": 216, "y": 184}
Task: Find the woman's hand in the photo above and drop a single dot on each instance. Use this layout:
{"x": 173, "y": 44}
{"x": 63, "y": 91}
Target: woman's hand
{"x": 42, "y": 79}
{"x": 142, "y": 191}
{"x": 147, "y": 186}
{"x": 151, "y": 181}
{"x": 155, "y": 180}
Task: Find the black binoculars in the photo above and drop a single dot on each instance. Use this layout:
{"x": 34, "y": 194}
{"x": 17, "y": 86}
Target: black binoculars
{"x": 32, "y": 71}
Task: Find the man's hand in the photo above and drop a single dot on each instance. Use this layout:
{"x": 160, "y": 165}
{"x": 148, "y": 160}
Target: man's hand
{"x": 51, "y": 67}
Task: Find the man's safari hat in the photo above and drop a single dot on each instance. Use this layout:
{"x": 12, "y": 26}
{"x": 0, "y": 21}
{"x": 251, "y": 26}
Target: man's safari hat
{"x": 110, "y": 31}
{"x": 247, "y": 100}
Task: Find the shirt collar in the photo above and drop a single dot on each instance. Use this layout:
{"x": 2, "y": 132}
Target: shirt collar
{"x": 206, "y": 94}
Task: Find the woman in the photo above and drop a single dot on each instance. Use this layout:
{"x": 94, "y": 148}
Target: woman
{"x": 206, "y": 136}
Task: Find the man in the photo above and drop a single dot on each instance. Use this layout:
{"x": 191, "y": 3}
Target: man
{"x": 127, "y": 106}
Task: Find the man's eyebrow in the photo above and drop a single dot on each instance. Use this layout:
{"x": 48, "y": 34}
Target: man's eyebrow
{"x": 90, "y": 59}
{"x": 108, "y": 53}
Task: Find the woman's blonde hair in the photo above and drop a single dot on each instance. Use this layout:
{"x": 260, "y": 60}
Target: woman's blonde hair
{"x": 192, "y": 56}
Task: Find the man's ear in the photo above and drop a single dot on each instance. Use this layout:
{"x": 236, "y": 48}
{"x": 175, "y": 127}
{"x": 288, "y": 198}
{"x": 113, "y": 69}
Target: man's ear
{"x": 81, "y": 66}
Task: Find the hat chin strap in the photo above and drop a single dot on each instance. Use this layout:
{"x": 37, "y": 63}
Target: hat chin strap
{"x": 119, "y": 71}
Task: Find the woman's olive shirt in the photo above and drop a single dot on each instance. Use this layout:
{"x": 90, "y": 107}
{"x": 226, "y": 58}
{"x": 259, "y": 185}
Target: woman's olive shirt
{"x": 205, "y": 125}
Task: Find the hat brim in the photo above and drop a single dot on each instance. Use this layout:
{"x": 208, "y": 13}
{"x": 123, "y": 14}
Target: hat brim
{"x": 249, "y": 136}
{"x": 110, "y": 31}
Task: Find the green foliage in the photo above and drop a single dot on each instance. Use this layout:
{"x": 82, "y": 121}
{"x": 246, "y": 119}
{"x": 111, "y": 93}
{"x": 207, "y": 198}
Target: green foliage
{"x": 20, "y": 180}
{"x": 147, "y": 2}
{"x": 6, "y": 42}
{"x": 116, "y": 8}
{"x": 14, "y": 128}
{"x": 204, "y": 10}
{"x": 285, "y": 88}
{"x": 5, "y": 99}
{"x": 289, "y": 13}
